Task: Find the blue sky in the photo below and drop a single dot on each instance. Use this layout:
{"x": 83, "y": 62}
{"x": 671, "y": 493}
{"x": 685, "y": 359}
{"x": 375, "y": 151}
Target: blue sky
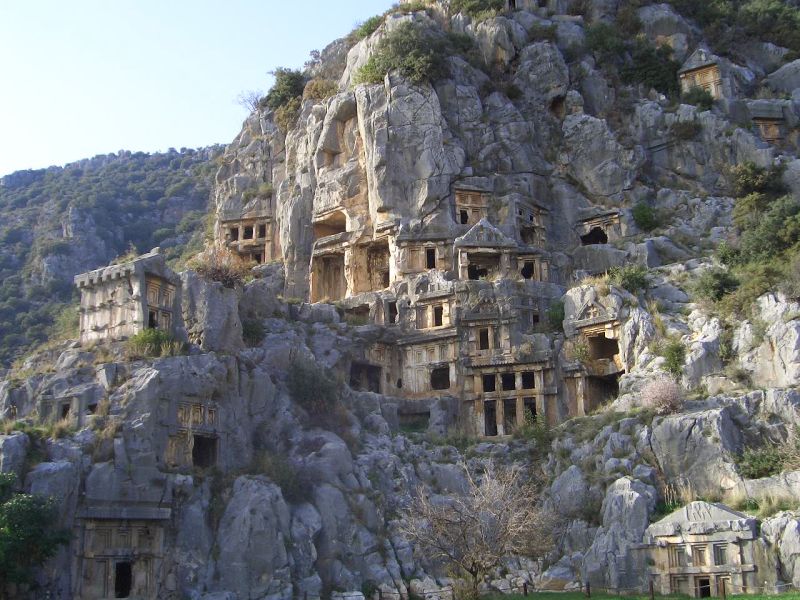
{"x": 87, "y": 77}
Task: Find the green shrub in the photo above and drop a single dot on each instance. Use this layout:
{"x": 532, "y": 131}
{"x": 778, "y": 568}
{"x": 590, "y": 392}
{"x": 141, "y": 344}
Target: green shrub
{"x": 477, "y": 8}
{"x": 699, "y": 97}
{"x": 320, "y": 89}
{"x": 253, "y": 332}
{"x": 631, "y": 277}
{"x": 686, "y": 130}
{"x": 652, "y": 67}
{"x": 296, "y": 486}
{"x": 286, "y": 115}
{"x": 627, "y": 20}
{"x": 368, "y": 27}
{"x": 555, "y": 313}
{"x": 645, "y": 216}
{"x": 604, "y": 40}
{"x": 412, "y": 49}
{"x": 152, "y": 343}
{"x": 289, "y": 84}
{"x": 755, "y": 463}
{"x": 714, "y": 284}
{"x": 318, "y": 392}
{"x": 749, "y": 178}
{"x": 674, "y": 353}
{"x": 29, "y": 533}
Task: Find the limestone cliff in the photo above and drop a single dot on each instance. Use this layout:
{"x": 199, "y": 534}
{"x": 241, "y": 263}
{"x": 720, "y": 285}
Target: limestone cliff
{"x": 493, "y": 264}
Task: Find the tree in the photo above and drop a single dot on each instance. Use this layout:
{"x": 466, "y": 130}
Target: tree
{"x": 249, "y": 100}
{"x": 28, "y": 533}
{"x": 497, "y": 517}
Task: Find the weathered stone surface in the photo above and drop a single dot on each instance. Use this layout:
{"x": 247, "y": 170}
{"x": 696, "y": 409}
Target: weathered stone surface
{"x": 211, "y": 314}
{"x": 13, "y": 450}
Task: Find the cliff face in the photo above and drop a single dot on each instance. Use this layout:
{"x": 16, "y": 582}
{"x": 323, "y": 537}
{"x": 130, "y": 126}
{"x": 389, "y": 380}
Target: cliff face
{"x": 535, "y": 232}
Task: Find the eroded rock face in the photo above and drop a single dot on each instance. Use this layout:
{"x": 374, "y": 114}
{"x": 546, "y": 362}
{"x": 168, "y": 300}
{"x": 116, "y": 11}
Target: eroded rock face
{"x": 211, "y": 313}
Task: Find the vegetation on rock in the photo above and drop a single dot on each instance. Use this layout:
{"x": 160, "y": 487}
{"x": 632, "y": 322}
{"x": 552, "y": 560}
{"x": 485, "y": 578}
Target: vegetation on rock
{"x": 29, "y": 533}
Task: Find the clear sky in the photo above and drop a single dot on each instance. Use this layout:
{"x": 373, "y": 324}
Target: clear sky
{"x": 85, "y": 77}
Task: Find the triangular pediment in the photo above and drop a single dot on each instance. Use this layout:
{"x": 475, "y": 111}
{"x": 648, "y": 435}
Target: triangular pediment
{"x": 485, "y": 235}
{"x": 702, "y": 57}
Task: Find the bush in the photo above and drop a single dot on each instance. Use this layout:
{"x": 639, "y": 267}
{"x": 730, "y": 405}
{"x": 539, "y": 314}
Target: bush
{"x": 662, "y": 395}
{"x": 319, "y": 89}
{"x": 318, "y": 392}
{"x": 555, "y": 313}
{"x": 152, "y": 343}
{"x": 368, "y": 27}
{"x": 476, "y": 8}
{"x": 286, "y": 116}
{"x": 749, "y": 178}
{"x": 686, "y": 130}
{"x": 755, "y": 463}
{"x": 631, "y": 277}
{"x": 699, "y": 97}
{"x": 714, "y": 284}
{"x": 296, "y": 486}
{"x": 652, "y": 67}
{"x": 28, "y": 533}
{"x": 645, "y": 216}
{"x": 674, "y": 353}
{"x": 413, "y": 50}
{"x": 253, "y": 332}
{"x": 222, "y": 265}
{"x": 604, "y": 40}
{"x": 289, "y": 84}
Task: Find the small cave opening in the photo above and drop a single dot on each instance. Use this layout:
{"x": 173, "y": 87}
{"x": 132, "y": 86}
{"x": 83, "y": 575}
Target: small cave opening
{"x": 601, "y": 390}
{"x": 558, "y": 107}
{"x": 594, "y": 237}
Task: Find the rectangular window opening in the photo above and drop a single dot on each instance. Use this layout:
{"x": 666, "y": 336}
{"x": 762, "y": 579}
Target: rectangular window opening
{"x": 262, "y": 231}
{"x": 528, "y": 380}
{"x": 430, "y": 258}
{"x": 489, "y": 382}
{"x": 509, "y": 381}
{"x": 440, "y": 378}
{"x": 438, "y": 316}
{"x": 248, "y": 232}
{"x": 483, "y": 339}
{"x": 204, "y": 451}
{"x": 235, "y": 234}
{"x": 392, "y": 313}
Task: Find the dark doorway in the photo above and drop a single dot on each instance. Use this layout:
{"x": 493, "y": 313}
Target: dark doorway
{"x": 601, "y": 347}
{"x": 65, "y": 409}
{"x": 248, "y": 233}
{"x": 489, "y": 382}
{"x": 490, "y": 418}
{"x": 463, "y": 217}
{"x": 474, "y": 272}
{"x": 512, "y": 4}
{"x": 392, "y": 313}
{"x": 600, "y": 390}
{"x": 365, "y": 377}
{"x": 262, "y": 231}
{"x": 430, "y": 257}
{"x": 527, "y": 270}
{"x": 440, "y": 378}
{"x": 235, "y": 234}
{"x": 152, "y": 319}
{"x": 438, "y": 316}
{"x": 703, "y": 587}
{"x": 123, "y": 579}
{"x": 595, "y": 236}
{"x": 509, "y": 415}
{"x": 204, "y": 451}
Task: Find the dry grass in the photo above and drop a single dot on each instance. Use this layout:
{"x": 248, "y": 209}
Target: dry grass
{"x": 761, "y": 505}
{"x": 600, "y": 283}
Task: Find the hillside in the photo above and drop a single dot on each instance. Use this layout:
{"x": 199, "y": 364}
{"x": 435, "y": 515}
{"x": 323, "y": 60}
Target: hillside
{"x": 59, "y": 222}
{"x": 555, "y": 238}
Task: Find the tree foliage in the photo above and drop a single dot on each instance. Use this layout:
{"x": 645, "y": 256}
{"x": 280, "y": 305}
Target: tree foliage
{"x": 29, "y": 534}
{"x": 112, "y": 202}
{"x": 289, "y": 84}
